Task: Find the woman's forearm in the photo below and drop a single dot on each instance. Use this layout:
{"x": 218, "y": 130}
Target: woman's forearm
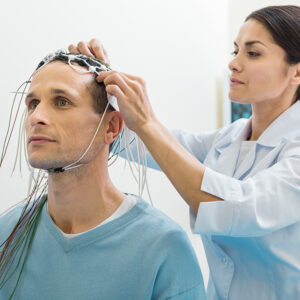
{"x": 183, "y": 170}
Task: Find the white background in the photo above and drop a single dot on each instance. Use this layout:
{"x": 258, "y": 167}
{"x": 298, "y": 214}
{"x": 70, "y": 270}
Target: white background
{"x": 181, "y": 49}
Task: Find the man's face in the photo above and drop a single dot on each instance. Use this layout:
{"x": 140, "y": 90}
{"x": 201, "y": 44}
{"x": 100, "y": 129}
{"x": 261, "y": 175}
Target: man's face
{"x": 61, "y": 120}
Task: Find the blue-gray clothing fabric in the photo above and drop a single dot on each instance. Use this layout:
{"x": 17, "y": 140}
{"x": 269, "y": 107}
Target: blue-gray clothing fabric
{"x": 252, "y": 238}
{"x": 141, "y": 255}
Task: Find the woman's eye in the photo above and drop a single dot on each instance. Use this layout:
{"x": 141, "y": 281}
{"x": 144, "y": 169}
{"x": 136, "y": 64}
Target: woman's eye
{"x": 234, "y": 53}
{"x": 253, "y": 54}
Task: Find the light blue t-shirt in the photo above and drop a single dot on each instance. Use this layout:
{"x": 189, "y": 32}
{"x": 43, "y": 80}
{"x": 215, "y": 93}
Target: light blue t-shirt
{"x": 141, "y": 255}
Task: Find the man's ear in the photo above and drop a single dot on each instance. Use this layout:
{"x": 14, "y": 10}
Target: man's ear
{"x": 115, "y": 124}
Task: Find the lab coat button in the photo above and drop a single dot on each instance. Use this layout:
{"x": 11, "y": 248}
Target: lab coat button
{"x": 225, "y": 261}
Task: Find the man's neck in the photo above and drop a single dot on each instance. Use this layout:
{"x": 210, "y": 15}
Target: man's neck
{"x": 82, "y": 198}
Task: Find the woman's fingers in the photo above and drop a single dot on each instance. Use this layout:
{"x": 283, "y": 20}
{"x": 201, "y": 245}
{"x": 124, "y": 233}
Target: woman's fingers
{"x": 114, "y": 90}
{"x": 135, "y": 85}
{"x": 134, "y": 78}
{"x": 73, "y": 49}
{"x": 98, "y": 50}
{"x": 81, "y": 48}
{"x": 93, "y": 48}
{"x": 132, "y": 97}
{"x": 84, "y": 49}
{"x": 124, "y": 81}
{"x": 113, "y": 77}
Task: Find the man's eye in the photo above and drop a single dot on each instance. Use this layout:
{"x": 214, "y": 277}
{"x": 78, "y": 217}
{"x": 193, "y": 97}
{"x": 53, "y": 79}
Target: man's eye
{"x": 62, "y": 102}
{"x": 33, "y": 104}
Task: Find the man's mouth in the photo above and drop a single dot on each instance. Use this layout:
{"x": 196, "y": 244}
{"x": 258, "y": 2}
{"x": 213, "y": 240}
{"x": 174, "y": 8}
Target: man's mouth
{"x": 38, "y": 140}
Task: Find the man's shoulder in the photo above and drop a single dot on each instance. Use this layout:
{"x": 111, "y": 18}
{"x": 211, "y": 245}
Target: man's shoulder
{"x": 155, "y": 223}
{"x": 154, "y": 216}
{"x": 166, "y": 237}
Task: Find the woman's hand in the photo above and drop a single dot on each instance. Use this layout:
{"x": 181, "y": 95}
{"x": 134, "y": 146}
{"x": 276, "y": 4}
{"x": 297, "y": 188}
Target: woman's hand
{"x": 93, "y": 48}
{"x": 132, "y": 97}
{"x": 129, "y": 90}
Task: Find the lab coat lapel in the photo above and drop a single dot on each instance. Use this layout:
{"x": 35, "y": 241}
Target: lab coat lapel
{"x": 285, "y": 125}
{"x": 228, "y": 156}
{"x": 274, "y": 138}
{"x": 228, "y": 159}
{"x": 247, "y": 163}
{"x": 268, "y": 160}
{"x": 227, "y": 149}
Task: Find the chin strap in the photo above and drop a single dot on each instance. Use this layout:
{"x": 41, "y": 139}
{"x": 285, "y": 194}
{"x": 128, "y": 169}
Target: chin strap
{"x": 56, "y": 170}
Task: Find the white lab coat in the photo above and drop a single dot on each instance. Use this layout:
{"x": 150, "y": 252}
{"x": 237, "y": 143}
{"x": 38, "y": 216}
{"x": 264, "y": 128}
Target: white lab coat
{"x": 252, "y": 238}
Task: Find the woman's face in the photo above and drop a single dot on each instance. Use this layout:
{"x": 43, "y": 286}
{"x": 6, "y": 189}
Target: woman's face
{"x": 259, "y": 71}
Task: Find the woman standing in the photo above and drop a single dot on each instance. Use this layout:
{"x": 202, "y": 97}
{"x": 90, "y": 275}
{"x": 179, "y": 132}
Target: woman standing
{"x": 241, "y": 182}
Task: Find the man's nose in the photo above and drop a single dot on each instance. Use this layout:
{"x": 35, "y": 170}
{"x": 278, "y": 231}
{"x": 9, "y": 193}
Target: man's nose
{"x": 40, "y": 115}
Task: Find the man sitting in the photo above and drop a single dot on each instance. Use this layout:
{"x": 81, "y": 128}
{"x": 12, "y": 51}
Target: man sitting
{"x": 91, "y": 241}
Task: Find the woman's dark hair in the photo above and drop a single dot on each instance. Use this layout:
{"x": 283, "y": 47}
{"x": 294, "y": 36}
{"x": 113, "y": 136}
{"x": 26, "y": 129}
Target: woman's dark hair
{"x": 283, "y": 23}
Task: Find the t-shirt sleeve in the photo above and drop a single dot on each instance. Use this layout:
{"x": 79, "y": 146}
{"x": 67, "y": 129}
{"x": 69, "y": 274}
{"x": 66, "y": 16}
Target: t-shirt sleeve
{"x": 264, "y": 203}
{"x": 198, "y": 144}
{"x": 179, "y": 275}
